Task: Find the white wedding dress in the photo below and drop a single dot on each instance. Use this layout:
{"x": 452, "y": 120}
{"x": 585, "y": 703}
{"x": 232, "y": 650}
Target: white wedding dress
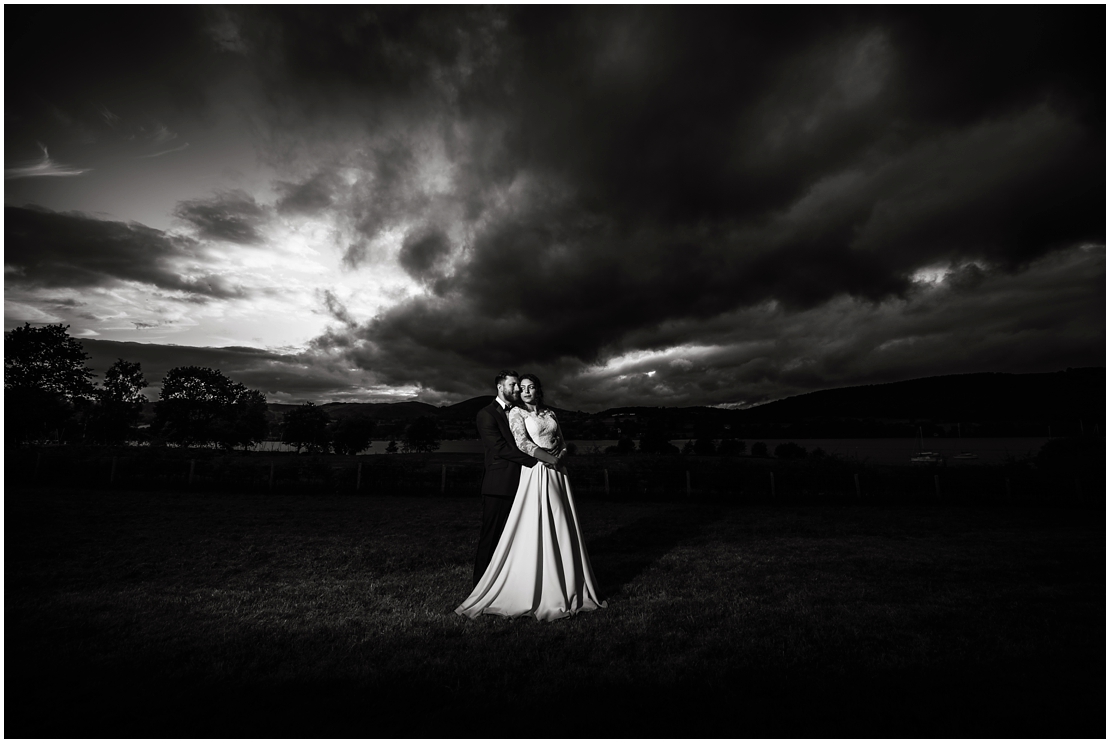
{"x": 540, "y": 566}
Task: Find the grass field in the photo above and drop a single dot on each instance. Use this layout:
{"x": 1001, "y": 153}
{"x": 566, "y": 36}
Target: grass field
{"x": 193, "y": 615}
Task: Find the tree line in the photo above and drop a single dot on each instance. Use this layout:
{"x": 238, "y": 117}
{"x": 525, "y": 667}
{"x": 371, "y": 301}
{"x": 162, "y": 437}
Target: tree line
{"x": 50, "y": 395}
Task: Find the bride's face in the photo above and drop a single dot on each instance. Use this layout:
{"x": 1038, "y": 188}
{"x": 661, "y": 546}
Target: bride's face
{"x": 528, "y": 391}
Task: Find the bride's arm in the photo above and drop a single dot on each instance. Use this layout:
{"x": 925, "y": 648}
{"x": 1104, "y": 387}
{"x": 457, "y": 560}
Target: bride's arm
{"x": 524, "y": 441}
{"x": 561, "y": 443}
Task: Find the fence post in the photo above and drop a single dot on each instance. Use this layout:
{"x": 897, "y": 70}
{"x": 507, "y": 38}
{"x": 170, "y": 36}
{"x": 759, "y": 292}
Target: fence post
{"x": 271, "y": 477}
{"x": 687, "y": 483}
{"x": 443, "y": 480}
{"x": 192, "y": 467}
{"x": 358, "y": 478}
{"x": 858, "y": 495}
{"x": 606, "y": 471}
{"x": 936, "y": 484}
{"x": 773, "y": 496}
{"x": 112, "y": 477}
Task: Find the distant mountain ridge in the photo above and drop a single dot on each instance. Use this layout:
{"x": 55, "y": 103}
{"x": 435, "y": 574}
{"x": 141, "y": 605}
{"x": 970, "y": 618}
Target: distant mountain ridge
{"x": 956, "y": 397}
{"x": 1008, "y": 404}
{"x": 410, "y": 409}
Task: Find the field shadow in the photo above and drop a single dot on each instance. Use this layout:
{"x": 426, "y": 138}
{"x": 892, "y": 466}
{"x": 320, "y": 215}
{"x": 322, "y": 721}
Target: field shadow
{"x": 958, "y": 702}
{"x": 621, "y": 556}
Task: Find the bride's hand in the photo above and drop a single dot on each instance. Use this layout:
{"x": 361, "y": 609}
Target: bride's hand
{"x": 545, "y": 456}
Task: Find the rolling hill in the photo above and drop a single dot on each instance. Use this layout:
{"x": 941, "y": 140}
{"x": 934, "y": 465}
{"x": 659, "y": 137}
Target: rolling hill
{"x": 985, "y": 404}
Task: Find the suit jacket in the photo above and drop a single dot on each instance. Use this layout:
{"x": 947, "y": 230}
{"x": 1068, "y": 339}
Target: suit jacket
{"x": 503, "y": 458}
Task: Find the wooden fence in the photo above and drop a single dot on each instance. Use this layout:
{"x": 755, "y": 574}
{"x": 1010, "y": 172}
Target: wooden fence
{"x": 632, "y": 477}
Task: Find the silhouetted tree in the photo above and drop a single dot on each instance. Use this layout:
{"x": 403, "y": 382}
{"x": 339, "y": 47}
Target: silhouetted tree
{"x": 656, "y": 442}
{"x": 705, "y": 447}
{"x": 119, "y": 404}
{"x": 199, "y": 405}
{"x": 246, "y": 422}
{"x": 625, "y": 445}
{"x": 45, "y": 381}
{"x": 688, "y": 447}
{"x": 790, "y": 450}
{"x": 392, "y": 447}
{"x": 759, "y": 449}
{"x": 1072, "y": 454}
{"x": 352, "y": 435}
{"x": 731, "y": 448}
{"x": 422, "y": 435}
{"x": 306, "y": 427}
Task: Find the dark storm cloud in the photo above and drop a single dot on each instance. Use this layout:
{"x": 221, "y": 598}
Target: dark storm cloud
{"x": 617, "y": 170}
{"x": 1023, "y": 322}
{"x": 571, "y": 187}
{"x": 336, "y": 309}
{"x": 233, "y": 216}
{"x": 1029, "y": 321}
{"x": 423, "y": 252}
{"x": 307, "y": 197}
{"x": 53, "y": 250}
{"x": 280, "y": 376}
{"x": 374, "y": 204}
{"x": 98, "y": 73}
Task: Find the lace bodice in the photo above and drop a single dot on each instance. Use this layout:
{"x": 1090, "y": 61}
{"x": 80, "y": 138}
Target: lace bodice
{"x": 535, "y": 430}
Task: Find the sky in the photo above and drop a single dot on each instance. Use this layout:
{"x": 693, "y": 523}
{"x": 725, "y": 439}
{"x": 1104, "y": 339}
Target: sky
{"x": 655, "y": 205}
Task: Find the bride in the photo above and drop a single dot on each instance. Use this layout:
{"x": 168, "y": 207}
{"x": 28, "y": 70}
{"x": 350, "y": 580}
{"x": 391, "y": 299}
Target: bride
{"x": 540, "y": 566}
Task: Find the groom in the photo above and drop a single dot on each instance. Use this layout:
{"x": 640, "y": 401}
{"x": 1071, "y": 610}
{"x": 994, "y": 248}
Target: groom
{"x": 503, "y": 463}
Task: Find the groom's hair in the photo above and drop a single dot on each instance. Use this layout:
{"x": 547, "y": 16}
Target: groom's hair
{"x": 501, "y": 375}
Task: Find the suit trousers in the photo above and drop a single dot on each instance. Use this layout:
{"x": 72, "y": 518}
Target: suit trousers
{"x": 495, "y": 512}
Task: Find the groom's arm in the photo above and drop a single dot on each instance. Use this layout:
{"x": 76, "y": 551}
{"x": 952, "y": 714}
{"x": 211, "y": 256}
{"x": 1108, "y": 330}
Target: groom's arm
{"x": 495, "y": 441}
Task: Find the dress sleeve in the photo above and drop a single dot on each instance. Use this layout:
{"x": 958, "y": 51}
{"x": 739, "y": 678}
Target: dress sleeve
{"x": 520, "y": 433}
{"x": 561, "y": 444}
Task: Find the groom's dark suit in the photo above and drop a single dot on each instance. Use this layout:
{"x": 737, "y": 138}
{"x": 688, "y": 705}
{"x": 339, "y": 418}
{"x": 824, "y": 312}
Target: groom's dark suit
{"x": 503, "y": 463}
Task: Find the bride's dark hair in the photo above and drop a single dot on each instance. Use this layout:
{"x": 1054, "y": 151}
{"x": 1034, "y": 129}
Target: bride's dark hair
{"x": 539, "y": 389}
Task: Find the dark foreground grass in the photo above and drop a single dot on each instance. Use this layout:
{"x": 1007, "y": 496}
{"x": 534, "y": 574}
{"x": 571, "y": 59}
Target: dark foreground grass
{"x": 157, "y": 615}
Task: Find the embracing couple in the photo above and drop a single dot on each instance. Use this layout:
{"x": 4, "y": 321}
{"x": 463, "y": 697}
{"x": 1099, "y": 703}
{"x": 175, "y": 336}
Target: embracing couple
{"x": 531, "y": 560}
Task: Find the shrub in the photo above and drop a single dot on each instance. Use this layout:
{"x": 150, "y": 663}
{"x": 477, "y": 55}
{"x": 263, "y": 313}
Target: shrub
{"x": 422, "y": 435}
{"x": 705, "y": 447}
{"x": 656, "y": 442}
{"x": 1077, "y": 453}
{"x": 624, "y": 445}
{"x": 790, "y": 450}
{"x": 731, "y": 448}
{"x": 759, "y": 449}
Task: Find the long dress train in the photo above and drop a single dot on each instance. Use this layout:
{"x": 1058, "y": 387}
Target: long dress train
{"x": 540, "y": 566}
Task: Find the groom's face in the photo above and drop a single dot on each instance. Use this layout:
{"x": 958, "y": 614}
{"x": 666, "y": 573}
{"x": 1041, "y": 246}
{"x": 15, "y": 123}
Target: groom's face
{"x": 509, "y": 389}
